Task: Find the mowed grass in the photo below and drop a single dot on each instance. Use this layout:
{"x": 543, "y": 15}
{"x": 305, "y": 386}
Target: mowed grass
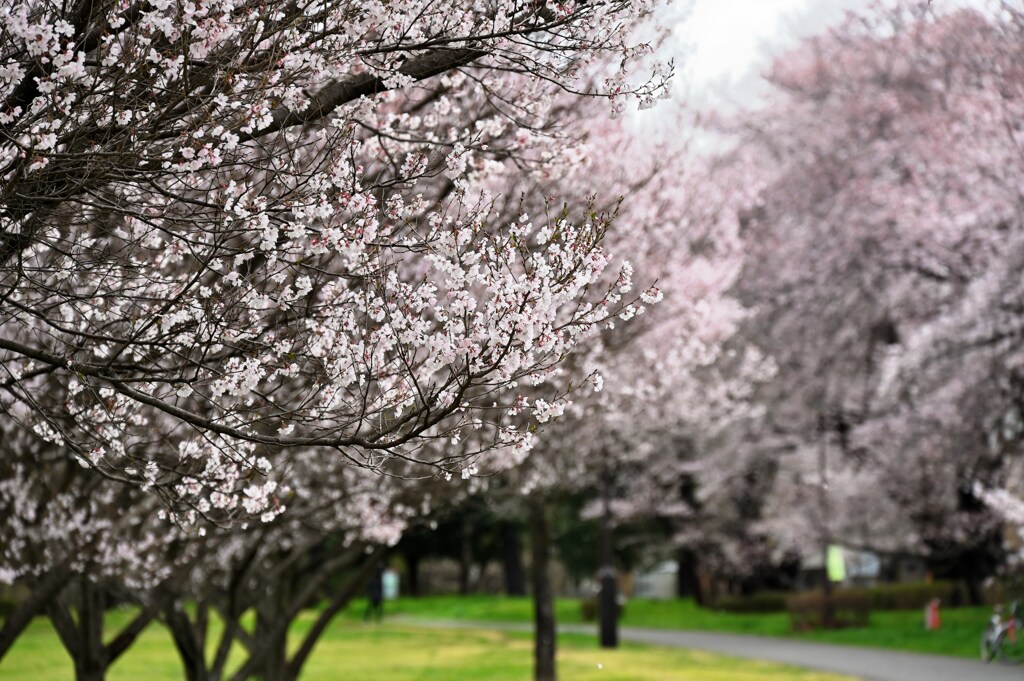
{"x": 900, "y": 630}
{"x": 400, "y": 652}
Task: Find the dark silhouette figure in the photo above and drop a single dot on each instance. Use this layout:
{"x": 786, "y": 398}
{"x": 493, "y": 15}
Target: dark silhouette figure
{"x": 375, "y": 597}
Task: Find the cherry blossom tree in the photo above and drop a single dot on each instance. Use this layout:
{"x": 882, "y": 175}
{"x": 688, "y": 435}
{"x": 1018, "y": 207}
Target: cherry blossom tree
{"x": 677, "y": 227}
{"x": 693, "y": 379}
{"x": 71, "y": 540}
{"x": 233, "y": 228}
{"x": 75, "y": 550}
{"x": 340, "y": 523}
{"x": 890, "y": 159}
{"x": 246, "y": 247}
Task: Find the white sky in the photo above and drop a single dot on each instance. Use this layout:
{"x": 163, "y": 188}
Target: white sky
{"x": 722, "y": 46}
{"x": 727, "y": 36}
{"x": 729, "y": 39}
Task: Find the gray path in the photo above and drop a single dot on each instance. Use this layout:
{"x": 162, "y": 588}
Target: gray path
{"x": 870, "y": 664}
{"x": 867, "y": 663}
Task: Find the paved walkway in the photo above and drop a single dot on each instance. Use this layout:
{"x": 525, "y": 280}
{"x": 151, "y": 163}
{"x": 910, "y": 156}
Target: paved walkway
{"x": 867, "y": 663}
{"x": 871, "y": 664}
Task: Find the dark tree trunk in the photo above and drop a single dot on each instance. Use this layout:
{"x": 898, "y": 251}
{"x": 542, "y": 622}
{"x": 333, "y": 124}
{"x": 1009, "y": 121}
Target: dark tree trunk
{"x": 890, "y": 569}
{"x": 688, "y": 576}
{"x": 91, "y": 665}
{"x": 35, "y": 604}
{"x": 267, "y": 647}
{"x": 465, "y": 557}
{"x": 189, "y": 649}
{"x": 512, "y": 560}
{"x": 974, "y": 566}
{"x": 608, "y": 597}
{"x": 89, "y": 674}
{"x": 271, "y": 637}
{"x": 543, "y": 597}
{"x": 412, "y": 576}
{"x": 81, "y": 637}
{"x": 975, "y": 595}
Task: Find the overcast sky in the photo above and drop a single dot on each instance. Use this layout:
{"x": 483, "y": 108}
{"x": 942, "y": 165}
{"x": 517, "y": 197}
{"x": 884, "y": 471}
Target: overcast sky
{"x": 727, "y": 43}
{"x": 729, "y": 40}
{"x": 722, "y": 46}
{"x": 727, "y": 36}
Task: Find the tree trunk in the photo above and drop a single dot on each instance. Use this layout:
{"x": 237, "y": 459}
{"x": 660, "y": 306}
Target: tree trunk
{"x": 91, "y": 665}
{"x": 36, "y": 602}
{"x": 972, "y": 566}
{"x": 267, "y": 647}
{"x": 82, "y": 637}
{"x": 412, "y": 565}
{"x": 687, "y": 576}
{"x": 543, "y": 598}
{"x": 275, "y": 662}
{"x": 465, "y": 558}
{"x": 608, "y": 598}
{"x": 512, "y": 560}
{"x": 189, "y": 649}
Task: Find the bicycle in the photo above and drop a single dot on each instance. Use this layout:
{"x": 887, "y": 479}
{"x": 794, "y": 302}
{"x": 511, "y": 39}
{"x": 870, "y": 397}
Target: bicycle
{"x": 1004, "y": 638}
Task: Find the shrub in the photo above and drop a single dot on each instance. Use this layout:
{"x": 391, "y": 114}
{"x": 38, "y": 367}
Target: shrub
{"x": 763, "y": 602}
{"x": 902, "y": 596}
{"x": 915, "y": 595}
{"x": 849, "y": 609}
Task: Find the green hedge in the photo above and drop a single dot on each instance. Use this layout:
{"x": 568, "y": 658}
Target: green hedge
{"x": 902, "y": 596}
{"x": 849, "y": 608}
{"x": 916, "y": 595}
{"x": 759, "y": 603}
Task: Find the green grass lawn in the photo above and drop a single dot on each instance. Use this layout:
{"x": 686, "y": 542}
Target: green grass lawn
{"x": 400, "y": 652}
{"x": 901, "y": 630}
